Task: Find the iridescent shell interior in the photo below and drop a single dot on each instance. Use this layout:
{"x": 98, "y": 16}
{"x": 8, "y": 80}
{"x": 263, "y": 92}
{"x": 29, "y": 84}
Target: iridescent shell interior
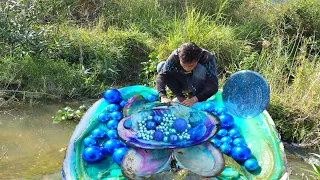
{"x": 202, "y": 126}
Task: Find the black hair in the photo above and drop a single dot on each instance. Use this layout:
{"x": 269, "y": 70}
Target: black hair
{"x": 188, "y": 52}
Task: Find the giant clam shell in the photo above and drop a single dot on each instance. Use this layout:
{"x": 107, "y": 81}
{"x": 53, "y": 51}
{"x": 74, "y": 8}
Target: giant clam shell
{"x": 205, "y": 126}
{"x": 141, "y": 164}
{"x": 204, "y": 159}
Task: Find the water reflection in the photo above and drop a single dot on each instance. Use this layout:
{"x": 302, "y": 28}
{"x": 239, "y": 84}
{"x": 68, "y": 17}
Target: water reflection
{"x": 30, "y": 143}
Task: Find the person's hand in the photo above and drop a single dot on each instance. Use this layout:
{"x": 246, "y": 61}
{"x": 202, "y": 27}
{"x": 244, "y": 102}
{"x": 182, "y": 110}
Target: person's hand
{"x": 190, "y": 102}
{"x": 165, "y": 99}
{"x": 181, "y": 99}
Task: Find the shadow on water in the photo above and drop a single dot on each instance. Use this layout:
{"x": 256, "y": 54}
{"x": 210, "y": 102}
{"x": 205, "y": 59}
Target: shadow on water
{"x": 30, "y": 145}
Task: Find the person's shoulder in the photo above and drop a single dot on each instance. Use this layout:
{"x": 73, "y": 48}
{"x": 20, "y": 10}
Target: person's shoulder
{"x": 173, "y": 56}
{"x": 172, "y": 61}
{"x": 205, "y": 57}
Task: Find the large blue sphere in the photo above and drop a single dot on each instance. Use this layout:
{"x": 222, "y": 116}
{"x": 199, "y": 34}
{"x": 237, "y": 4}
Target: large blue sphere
{"x": 197, "y": 132}
{"x": 112, "y": 134}
{"x": 118, "y": 155}
{"x": 221, "y": 133}
{"x": 158, "y": 135}
{"x": 246, "y": 94}
{"x": 151, "y": 125}
{"x": 157, "y": 119}
{"x": 180, "y": 125}
{"x": 103, "y": 117}
{"x": 225, "y": 148}
{"x": 239, "y": 142}
{"x": 112, "y": 96}
{"x": 251, "y": 164}
{"x": 241, "y": 153}
{"x": 116, "y": 115}
{"x": 89, "y": 141}
{"x": 152, "y": 98}
{"x": 99, "y": 133}
{"x": 92, "y": 154}
{"x": 226, "y": 120}
{"x": 112, "y": 124}
{"x": 216, "y": 142}
{"x": 209, "y": 107}
{"x": 111, "y": 145}
{"x": 234, "y": 133}
{"x": 113, "y": 107}
{"x": 226, "y": 139}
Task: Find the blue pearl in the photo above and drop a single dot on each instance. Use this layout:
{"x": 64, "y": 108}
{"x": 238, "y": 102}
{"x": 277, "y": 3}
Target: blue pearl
{"x": 112, "y": 134}
{"x": 197, "y": 132}
{"x": 209, "y": 107}
{"x": 165, "y": 139}
{"x": 89, "y": 141}
{"x": 112, "y": 124}
{"x": 180, "y": 125}
{"x": 234, "y": 133}
{"x": 92, "y": 154}
{"x": 180, "y": 138}
{"x": 123, "y": 103}
{"x": 221, "y": 110}
{"x": 103, "y": 117}
{"x": 239, "y": 142}
{"x": 112, "y": 96}
{"x": 158, "y": 135}
{"x": 151, "y": 125}
{"x": 157, "y": 119}
{"x": 127, "y": 124}
{"x": 113, "y": 107}
{"x": 172, "y": 131}
{"x": 110, "y": 145}
{"x": 226, "y": 120}
{"x": 119, "y": 154}
{"x": 225, "y": 148}
{"x": 222, "y": 133}
{"x": 241, "y": 153}
{"x": 173, "y": 138}
{"x": 251, "y": 164}
{"x": 226, "y": 139}
{"x": 216, "y": 142}
{"x": 99, "y": 133}
{"x": 116, "y": 115}
{"x": 152, "y": 98}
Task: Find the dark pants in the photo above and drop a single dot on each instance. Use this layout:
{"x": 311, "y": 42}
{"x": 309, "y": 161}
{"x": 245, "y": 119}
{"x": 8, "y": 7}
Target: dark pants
{"x": 189, "y": 83}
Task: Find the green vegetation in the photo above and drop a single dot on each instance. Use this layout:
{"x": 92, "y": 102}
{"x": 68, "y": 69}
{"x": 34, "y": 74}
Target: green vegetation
{"x": 67, "y": 113}
{"x": 79, "y": 48}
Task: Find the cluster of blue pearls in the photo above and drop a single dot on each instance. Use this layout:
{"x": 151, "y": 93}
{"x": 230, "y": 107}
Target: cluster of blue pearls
{"x": 229, "y": 139}
{"x": 165, "y": 128}
{"x": 104, "y": 140}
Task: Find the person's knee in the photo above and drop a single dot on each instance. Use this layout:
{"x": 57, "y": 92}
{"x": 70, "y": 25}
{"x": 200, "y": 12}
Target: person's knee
{"x": 160, "y": 66}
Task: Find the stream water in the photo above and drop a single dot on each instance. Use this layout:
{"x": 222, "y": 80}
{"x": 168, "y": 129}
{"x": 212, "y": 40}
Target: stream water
{"x": 31, "y": 147}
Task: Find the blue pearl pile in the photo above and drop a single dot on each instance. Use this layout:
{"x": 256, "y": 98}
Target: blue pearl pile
{"x": 166, "y": 128}
{"x": 228, "y": 139}
{"x": 104, "y": 140}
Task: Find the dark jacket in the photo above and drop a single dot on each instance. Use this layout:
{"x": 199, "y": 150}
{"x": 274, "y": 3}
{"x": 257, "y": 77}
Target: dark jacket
{"x": 204, "y": 85}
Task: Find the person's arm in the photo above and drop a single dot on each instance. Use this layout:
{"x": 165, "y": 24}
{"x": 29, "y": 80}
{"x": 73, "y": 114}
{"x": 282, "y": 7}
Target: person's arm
{"x": 211, "y": 82}
{"x": 163, "y": 79}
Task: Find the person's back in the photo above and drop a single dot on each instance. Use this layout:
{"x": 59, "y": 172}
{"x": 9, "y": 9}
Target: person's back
{"x": 188, "y": 69}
